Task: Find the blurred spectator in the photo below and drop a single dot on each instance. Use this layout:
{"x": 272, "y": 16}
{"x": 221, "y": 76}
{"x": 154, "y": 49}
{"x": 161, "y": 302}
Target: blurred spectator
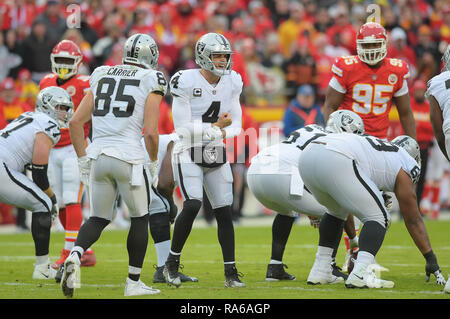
{"x": 398, "y": 48}
{"x": 143, "y": 20}
{"x": 300, "y": 68}
{"x": 342, "y": 32}
{"x": 55, "y": 24}
{"x": 89, "y": 34}
{"x": 28, "y": 90}
{"x": 280, "y": 10}
{"x": 302, "y": 111}
{"x": 116, "y": 55}
{"x": 10, "y": 105}
{"x": 14, "y": 48}
{"x": 390, "y": 18}
{"x": 323, "y": 21}
{"x": 18, "y": 15}
{"x": 324, "y": 58}
{"x": 421, "y": 111}
{"x": 36, "y": 49}
{"x": 293, "y": 29}
{"x": 165, "y": 124}
{"x": 271, "y": 55}
{"x": 104, "y": 46}
{"x": 8, "y": 60}
{"x": 427, "y": 54}
{"x": 261, "y": 18}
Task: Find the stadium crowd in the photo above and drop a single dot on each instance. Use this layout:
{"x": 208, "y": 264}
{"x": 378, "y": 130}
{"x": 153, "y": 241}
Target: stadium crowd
{"x": 280, "y": 46}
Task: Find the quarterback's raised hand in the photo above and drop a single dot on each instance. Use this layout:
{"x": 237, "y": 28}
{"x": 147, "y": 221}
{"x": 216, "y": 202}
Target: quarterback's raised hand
{"x": 224, "y": 120}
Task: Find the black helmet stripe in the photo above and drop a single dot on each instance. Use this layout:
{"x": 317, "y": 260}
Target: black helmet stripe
{"x": 133, "y": 47}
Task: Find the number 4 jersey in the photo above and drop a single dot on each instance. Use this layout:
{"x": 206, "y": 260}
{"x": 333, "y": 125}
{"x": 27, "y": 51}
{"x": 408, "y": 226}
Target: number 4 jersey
{"x": 379, "y": 159}
{"x": 369, "y": 91}
{"x": 17, "y": 138}
{"x": 120, "y": 93}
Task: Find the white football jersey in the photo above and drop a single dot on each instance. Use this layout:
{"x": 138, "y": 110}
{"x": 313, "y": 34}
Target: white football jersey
{"x": 281, "y": 157}
{"x": 120, "y": 93}
{"x": 379, "y": 159}
{"x": 164, "y": 140}
{"x": 197, "y": 104}
{"x": 439, "y": 87}
{"x": 17, "y": 138}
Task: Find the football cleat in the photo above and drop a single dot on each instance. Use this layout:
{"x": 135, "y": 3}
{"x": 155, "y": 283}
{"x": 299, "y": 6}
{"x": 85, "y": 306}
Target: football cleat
{"x": 362, "y": 278}
{"x": 158, "y": 277}
{"x": 62, "y": 258}
{"x": 447, "y": 286}
{"x": 171, "y": 274}
{"x": 337, "y": 271}
{"x": 276, "y": 272}
{"x": 88, "y": 259}
{"x": 323, "y": 275}
{"x": 138, "y": 288}
{"x": 232, "y": 279}
{"x": 44, "y": 271}
{"x": 59, "y": 273}
{"x": 71, "y": 276}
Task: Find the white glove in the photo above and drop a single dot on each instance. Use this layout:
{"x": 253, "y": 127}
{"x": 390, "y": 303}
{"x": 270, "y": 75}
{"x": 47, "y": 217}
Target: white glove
{"x": 55, "y": 208}
{"x": 212, "y": 133}
{"x": 84, "y": 166}
{"x": 153, "y": 168}
{"x": 387, "y": 201}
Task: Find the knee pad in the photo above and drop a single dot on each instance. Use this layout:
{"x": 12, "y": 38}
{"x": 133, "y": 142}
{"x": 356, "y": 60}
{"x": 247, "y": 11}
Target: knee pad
{"x": 159, "y": 227}
{"x": 71, "y": 182}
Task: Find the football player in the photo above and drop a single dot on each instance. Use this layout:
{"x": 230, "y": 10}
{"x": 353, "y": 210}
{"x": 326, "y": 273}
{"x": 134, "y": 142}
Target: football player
{"x": 123, "y": 101}
{"x": 345, "y": 172}
{"x": 27, "y": 141}
{"x": 63, "y": 167}
{"x": 274, "y": 179}
{"x": 163, "y": 209}
{"x": 438, "y": 95}
{"x": 206, "y": 109}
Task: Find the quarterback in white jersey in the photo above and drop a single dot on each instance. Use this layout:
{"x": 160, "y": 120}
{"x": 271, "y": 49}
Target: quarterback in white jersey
{"x": 123, "y": 102}
{"x": 345, "y": 173}
{"x": 205, "y": 109}
{"x": 438, "y": 93}
{"x": 274, "y": 178}
{"x": 27, "y": 141}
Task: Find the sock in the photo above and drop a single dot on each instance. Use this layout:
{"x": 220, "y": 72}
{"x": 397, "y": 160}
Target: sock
{"x": 73, "y": 220}
{"x": 363, "y": 260}
{"x": 134, "y": 273}
{"x": 275, "y": 262}
{"x": 371, "y": 237}
{"x": 137, "y": 240}
{"x": 62, "y": 217}
{"x": 78, "y": 252}
{"x": 162, "y": 252}
{"x": 281, "y": 229}
{"x": 225, "y": 232}
{"x": 183, "y": 224}
{"x": 323, "y": 256}
{"x": 40, "y": 260}
{"x": 41, "y": 223}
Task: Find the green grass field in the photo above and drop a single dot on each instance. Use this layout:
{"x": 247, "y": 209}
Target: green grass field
{"x": 202, "y": 258}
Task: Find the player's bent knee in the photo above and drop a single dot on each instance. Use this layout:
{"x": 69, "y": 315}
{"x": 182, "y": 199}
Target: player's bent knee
{"x": 160, "y": 227}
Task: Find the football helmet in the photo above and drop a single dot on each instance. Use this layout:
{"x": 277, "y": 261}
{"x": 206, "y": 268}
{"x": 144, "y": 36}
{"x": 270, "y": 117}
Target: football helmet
{"x": 66, "y": 58}
{"x": 446, "y": 59}
{"x": 141, "y": 49}
{"x": 369, "y": 34}
{"x": 409, "y": 145}
{"x": 57, "y": 103}
{"x": 345, "y": 121}
{"x": 209, "y": 44}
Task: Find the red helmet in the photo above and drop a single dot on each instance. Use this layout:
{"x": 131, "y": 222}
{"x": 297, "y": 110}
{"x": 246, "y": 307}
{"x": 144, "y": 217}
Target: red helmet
{"x": 66, "y": 58}
{"x": 371, "y": 33}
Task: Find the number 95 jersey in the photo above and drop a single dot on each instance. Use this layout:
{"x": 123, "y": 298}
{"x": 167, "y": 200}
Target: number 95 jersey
{"x": 369, "y": 91}
{"x": 120, "y": 93}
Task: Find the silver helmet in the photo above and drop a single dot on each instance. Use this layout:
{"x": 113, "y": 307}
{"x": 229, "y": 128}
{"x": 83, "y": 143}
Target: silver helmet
{"x": 345, "y": 121}
{"x": 209, "y": 44}
{"x": 141, "y": 49}
{"x": 446, "y": 59}
{"x": 409, "y": 145}
{"x": 57, "y": 103}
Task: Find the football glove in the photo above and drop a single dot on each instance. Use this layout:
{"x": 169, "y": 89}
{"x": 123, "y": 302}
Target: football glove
{"x": 387, "y": 201}
{"x": 315, "y": 222}
{"x": 432, "y": 267}
{"x": 84, "y": 166}
{"x": 173, "y": 211}
{"x": 55, "y": 208}
{"x": 212, "y": 133}
{"x": 153, "y": 168}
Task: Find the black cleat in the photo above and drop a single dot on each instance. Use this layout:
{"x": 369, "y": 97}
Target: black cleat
{"x": 59, "y": 273}
{"x": 232, "y": 277}
{"x": 337, "y": 271}
{"x": 276, "y": 272}
{"x": 171, "y": 273}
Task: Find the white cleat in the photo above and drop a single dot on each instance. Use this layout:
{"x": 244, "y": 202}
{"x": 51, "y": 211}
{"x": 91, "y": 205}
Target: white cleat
{"x": 71, "y": 276}
{"x": 366, "y": 279}
{"x": 447, "y": 286}
{"x": 138, "y": 288}
{"x": 44, "y": 271}
{"x": 323, "y": 276}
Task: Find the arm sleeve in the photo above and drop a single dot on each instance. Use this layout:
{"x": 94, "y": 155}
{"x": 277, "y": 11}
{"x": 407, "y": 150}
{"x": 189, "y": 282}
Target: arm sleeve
{"x": 236, "y": 114}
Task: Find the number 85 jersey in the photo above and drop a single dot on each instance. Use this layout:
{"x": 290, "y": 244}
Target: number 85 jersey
{"x": 197, "y": 104}
{"x": 369, "y": 91}
{"x": 120, "y": 93}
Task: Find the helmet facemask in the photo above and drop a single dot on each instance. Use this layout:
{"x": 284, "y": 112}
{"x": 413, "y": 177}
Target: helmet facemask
{"x": 371, "y": 55}
{"x": 65, "y": 66}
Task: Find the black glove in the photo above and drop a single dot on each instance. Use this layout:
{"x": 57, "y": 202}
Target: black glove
{"x": 432, "y": 267}
{"x": 173, "y": 211}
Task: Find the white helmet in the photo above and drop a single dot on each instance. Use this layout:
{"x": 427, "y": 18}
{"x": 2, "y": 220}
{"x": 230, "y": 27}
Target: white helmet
{"x": 51, "y": 99}
{"x": 409, "y": 145}
{"x": 209, "y": 44}
{"x": 345, "y": 121}
{"x": 446, "y": 59}
{"x": 141, "y": 49}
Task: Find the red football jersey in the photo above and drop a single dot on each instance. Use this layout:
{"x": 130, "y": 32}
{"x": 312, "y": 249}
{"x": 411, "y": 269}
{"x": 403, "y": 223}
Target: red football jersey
{"x": 369, "y": 91}
{"x": 77, "y": 87}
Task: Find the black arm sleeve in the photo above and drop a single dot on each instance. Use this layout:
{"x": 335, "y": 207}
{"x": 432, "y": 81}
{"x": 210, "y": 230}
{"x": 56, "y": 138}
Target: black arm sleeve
{"x": 39, "y": 174}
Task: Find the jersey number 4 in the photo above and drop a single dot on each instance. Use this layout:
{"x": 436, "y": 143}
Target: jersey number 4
{"x": 120, "y": 96}
{"x": 212, "y": 113}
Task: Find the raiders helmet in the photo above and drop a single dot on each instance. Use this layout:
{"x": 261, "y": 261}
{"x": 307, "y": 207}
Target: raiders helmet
{"x": 409, "y": 145}
{"x": 209, "y": 44}
{"x": 141, "y": 49}
{"x": 57, "y": 103}
{"x": 345, "y": 121}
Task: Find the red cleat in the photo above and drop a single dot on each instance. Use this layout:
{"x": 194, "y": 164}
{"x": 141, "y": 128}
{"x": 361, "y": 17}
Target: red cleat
{"x": 88, "y": 259}
{"x": 64, "y": 254}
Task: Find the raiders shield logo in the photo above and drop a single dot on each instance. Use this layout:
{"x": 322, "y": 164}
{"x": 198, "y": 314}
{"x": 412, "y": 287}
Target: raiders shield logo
{"x": 346, "y": 120}
{"x": 46, "y": 98}
{"x": 210, "y": 155}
